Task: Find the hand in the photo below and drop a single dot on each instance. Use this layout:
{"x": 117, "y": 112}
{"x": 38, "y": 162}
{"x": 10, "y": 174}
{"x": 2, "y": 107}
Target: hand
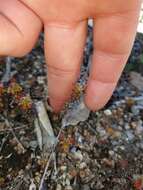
{"x": 65, "y": 26}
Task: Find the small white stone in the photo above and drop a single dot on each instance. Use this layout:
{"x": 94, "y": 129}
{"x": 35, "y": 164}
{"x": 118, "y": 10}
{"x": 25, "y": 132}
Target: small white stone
{"x": 102, "y": 132}
{"x": 68, "y": 187}
{"x": 40, "y": 80}
{"x": 68, "y": 182}
{"x": 78, "y": 155}
{"x": 63, "y": 168}
{"x": 122, "y": 147}
{"x": 127, "y": 126}
{"x": 82, "y": 165}
{"x": 111, "y": 153}
{"x": 107, "y": 112}
{"x": 59, "y": 187}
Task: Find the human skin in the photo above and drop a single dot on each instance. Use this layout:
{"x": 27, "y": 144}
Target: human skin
{"x": 65, "y": 28}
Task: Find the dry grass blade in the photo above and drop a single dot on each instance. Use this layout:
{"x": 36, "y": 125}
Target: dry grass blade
{"x": 43, "y": 117}
{"x": 7, "y": 74}
{"x": 52, "y": 155}
{"x": 43, "y": 128}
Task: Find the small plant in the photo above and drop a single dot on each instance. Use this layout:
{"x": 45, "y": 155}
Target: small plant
{"x": 14, "y": 88}
{"x": 25, "y": 103}
{"x": 13, "y": 96}
{"x": 77, "y": 91}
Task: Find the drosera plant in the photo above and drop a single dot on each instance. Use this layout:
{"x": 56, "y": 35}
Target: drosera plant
{"x": 25, "y": 103}
{"x": 14, "y": 99}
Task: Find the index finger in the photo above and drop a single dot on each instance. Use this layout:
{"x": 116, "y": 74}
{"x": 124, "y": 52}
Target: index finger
{"x": 64, "y": 45}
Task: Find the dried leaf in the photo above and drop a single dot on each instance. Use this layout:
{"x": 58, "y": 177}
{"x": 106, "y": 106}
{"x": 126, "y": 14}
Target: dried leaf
{"x": 38, "y": 133}
{"x": 43, "y": 118}
{"x": 77, "y": 113}
{"x": 44, "y": 131}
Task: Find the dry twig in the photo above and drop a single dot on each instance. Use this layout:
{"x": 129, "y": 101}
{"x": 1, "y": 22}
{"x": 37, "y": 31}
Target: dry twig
{"x": 3, "y": 142}
{"x": 12, "y": 131}
{"x": 15, "y": 129}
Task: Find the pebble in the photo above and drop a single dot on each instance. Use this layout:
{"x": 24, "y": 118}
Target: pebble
{"x": 111, "y": 152}
{"x": 133, "y": 125}
{"x": 117, "y": 134}
{"x": 82, "y": 165}
{"x": 127, "y": 126}
{"x": 135, "y": 110}
{"x": 59, "y": 187}
{"x": 41, "y": 80}
{"x": 67, "y": 182}
{"x": 141, "y": 145}
{"x": 85, "y": 187}
{"x": 107, "y": 112}
{"x": 68, "y": 187}
{"x": 101, "y": 131}
{"x": 28, "y": 166}
{"x": 139, "y": 130}
{"x": 113, "y": 133}
{"x": 80, "y": 140}
{"x": 78, "y": 155}
{"x": 63, "y": 168}
{"x": 122, "y": 148}
{"x": 33, "y": 144}
{"x": 108, "y": 162}
{"x": 129, "y": 135}
{"x": 99, "y": 185}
